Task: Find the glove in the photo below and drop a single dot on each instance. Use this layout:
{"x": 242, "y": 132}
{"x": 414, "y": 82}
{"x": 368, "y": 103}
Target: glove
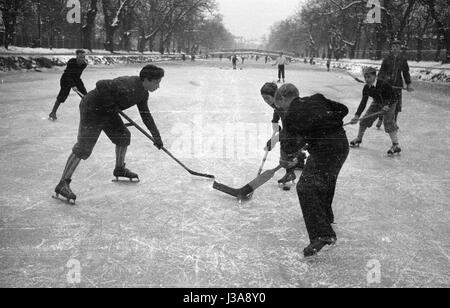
{"x": 355, "y": 120}
{"x": 290, "y": 163}
{"x": 386, "y": 109}
{"x": 158, "y": 143}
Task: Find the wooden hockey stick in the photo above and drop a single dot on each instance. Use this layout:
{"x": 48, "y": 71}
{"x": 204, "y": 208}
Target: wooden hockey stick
{"x": 132, "y": 123}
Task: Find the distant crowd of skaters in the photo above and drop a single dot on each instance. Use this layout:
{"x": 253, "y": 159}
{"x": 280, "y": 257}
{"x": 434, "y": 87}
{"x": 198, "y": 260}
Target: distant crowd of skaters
{"x": 313, "y": 124}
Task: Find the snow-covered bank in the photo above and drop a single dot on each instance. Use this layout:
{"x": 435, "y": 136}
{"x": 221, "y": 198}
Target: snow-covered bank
{"x": 26, "y": 62}
{"x": 423, "y": 71}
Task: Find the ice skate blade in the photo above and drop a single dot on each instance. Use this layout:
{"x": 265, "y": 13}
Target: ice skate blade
{"x": 68, "y": 201}
{"x": 126, "y": 180}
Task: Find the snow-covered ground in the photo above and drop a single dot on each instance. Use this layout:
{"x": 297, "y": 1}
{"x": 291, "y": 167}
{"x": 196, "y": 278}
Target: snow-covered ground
{"x": 174, "y": 230}
{"x": 424, "y": 70}
{"x": 59, "y": 51}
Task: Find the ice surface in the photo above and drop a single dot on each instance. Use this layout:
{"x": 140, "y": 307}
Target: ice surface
{"x": 175, "y": 230}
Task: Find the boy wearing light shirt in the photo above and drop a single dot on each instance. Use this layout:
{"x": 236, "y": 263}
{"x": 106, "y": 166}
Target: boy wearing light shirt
{"x": 281, "y": 62}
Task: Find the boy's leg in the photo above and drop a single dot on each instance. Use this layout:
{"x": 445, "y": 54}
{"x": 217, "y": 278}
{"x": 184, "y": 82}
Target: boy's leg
{"x": 312, "y": 194}
{"x": 367, "y": 123}
{"x": 88, "y": 132}
{"x": 121, "y": 137}
{"x": 390, "y": 124}
{"x": 60, "y": 99}
{"x": 283, "y": 72}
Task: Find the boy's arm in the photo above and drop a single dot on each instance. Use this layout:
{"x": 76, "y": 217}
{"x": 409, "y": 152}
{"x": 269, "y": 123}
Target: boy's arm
{"x": 275, "y": 121}
{"x": 363, "y": 104}
{"x": 406, "y": 75}
{"x": 382, "y": 74}
{"x": 148, "y": 120}
{"x": 71, "y": 67}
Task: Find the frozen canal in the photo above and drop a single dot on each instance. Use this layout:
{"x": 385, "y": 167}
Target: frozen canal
{"x": 173, "y": 230}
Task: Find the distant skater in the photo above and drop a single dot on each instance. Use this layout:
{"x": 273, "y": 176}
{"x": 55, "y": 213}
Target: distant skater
{"x": 234, "y": 60}
{"x": 70, "y": 80}
{"x": 394, "y": 70}
{"x": 281, "y": 62}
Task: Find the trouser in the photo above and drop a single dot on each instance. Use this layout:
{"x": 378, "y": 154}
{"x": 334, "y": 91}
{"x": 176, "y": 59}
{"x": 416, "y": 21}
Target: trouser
{"x": 66, "y": 86}
{"x": 317, "y": 184}
{"x": 399, "y": 99}
{"x": 281, "y": 72}
{"x": 92, "y": 124}
{"x": 389, "y": 119}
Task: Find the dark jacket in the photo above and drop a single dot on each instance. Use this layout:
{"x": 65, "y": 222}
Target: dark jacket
{"x": 123, "y": 93}
{"x": 394, "y": 69}
{"x": 73, "y": 71}
{"x": 382, "y": 94}
{"x": 312, "y": 118}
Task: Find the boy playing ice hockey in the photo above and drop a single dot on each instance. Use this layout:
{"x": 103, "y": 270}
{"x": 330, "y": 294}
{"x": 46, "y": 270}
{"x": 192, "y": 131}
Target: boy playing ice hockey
{"x": 99, "y": 112}
{"x": 268, "y": 94}
{"x": 384, "y": 101}
{"x": 319, "y": 121}
{"x": 71, "y": 79}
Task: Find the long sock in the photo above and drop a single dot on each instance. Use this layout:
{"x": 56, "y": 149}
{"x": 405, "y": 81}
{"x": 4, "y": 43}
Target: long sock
{"x": 56, "y": 106}
{"x": 121, "y": 152}
{"x": 362, "y": 131}
{"x": 394, "y": 137}
{"x": 71, "y": 166}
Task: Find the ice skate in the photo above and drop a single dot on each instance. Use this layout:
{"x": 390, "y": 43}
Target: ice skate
{"x": 63, "y": 190}
{"x": 122, "y": 172}
{"x": 288, "y": 180}
{"x": 356, "y": 143}
{"x": 52, "y": 116}
{"x": 317, "y": 245}
{"x": 395, "y": 149}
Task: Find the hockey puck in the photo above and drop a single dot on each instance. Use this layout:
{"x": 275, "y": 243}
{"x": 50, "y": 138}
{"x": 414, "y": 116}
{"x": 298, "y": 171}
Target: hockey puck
{"x": 286, "y": 188}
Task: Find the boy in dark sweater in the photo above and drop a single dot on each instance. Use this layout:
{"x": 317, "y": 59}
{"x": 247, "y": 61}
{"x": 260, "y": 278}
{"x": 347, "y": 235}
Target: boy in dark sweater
{"x": 268, "y": 94}
{"x": 99, "y": 112}
{"x": 384, "y": 100}
{"x": 319, "y": 121}
{"x": 71, "y": 79}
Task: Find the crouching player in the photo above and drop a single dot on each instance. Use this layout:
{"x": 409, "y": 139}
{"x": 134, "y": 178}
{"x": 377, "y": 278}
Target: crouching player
{"x": 99, "y": 112}
{"x": 319, "y": 121}
{"x": 384, "y": 100}
{"x": 268, "y": 94}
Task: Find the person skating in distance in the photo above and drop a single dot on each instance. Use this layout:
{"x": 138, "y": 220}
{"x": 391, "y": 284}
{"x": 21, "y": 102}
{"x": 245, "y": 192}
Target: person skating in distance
{"x": 319, "y": 121}
{"x": 99, "y": 112}
{"x": 384, "y": 100}
{"x": 281, "y": 62}
{"x": 394, "y": 70}
{"x": 268, "y": 94}
{"x": 71, "y": 79}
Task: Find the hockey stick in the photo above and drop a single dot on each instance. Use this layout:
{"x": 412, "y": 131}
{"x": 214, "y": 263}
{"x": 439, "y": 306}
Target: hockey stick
{"x": 132, "y": 123}
{"x": 366, "y": 117}
{"x": 209, "y": 176}
{"x": 244, "y": 192}
{"x": 360, "y": 81}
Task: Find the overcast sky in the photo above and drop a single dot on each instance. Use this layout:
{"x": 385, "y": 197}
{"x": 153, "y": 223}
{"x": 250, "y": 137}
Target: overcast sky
{"x": 253, "y": 18}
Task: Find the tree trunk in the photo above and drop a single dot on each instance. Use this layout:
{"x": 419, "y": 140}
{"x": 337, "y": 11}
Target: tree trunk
{"x": 88, "y": 29}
